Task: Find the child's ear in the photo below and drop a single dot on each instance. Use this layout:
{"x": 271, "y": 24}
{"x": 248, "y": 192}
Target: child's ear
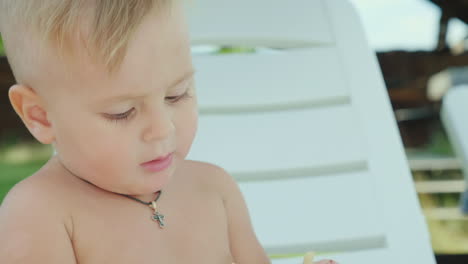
{"x": 28, "y": 106}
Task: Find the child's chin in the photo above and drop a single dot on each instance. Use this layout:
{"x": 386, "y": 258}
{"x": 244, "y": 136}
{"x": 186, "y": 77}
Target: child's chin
{"x": 158, "y": 181}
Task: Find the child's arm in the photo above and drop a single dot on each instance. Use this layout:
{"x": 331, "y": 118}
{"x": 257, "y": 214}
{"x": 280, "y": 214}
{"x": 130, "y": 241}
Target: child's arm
{"x": 244, "y": 244}
{"x": 32, "y": 229}
{"x": 245, "y": 247}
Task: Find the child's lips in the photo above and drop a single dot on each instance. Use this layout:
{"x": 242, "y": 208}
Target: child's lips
{"x": 158, "y": 164}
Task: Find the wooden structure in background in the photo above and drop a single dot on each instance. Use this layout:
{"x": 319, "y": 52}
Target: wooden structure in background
{"x": 449, "y": 9}
{"x": 406, "y": 75}
{"x": 11, "y": 126}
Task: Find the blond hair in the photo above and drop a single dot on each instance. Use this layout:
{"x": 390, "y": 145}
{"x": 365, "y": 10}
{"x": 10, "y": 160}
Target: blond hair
{"x": 105, "y": 27}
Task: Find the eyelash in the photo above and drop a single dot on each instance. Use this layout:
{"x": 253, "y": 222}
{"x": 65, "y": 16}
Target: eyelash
{"x": 126, "y": 116}
{"x": 175, "y": 99}
{"x": 120, "y": 117}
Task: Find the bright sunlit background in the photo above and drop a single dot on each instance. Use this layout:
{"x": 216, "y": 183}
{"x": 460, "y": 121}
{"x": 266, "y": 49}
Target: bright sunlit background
{"x": 413, "y": 25}
{"x": 405, "y": 24}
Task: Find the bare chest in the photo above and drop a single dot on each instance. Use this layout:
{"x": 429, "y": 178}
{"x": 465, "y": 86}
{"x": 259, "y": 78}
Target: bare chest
{"x": 195, "y": 231}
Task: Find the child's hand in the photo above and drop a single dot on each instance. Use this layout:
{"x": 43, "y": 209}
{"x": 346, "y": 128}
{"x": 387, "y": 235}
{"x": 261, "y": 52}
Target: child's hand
{"x": 326, "y": 261}
{"x": 309, "y": 257}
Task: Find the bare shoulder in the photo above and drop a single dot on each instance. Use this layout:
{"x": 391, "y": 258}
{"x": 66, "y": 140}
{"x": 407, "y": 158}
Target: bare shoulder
{"x": 31, "y": 214}
{"x": 204, "y": 167}
{"x": 210, "y": 176}
{"x": 42, "y": 190}
{"x": 244, "y": 245}
{"x": 32, "y": 192}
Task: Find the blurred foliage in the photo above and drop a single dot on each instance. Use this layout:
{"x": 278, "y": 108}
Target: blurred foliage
{"x": 18, "y": 161}
{"x": 447, "y": 236}
{"x": 2, "y": 50}
{"x": 10, "y": 174}
{"x": 229, "y": 50}
{"x": 440, "y": 143}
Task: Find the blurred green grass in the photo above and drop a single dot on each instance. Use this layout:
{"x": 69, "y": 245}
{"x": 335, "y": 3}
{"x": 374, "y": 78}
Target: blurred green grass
{"x": 2, "y": 49}
{"x": 13, "y": 173}
{"x": 18, "y": 161}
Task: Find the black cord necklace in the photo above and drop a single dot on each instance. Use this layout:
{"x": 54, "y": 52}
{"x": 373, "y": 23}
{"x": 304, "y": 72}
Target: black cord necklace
{"x": 157, "y": 217}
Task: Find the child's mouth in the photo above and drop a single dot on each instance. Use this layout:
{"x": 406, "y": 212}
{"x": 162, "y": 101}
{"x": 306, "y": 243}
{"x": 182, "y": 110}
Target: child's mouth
{"x": 158, "y": 164}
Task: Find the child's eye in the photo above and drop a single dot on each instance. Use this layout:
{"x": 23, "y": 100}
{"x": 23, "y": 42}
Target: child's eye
{"x": 120, "y": 117}
{"x": 175, "y": 99}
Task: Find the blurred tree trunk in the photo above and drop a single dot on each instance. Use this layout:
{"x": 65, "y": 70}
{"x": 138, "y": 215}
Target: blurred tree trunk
{"x": 443, "y": 28}
{"x": 11, "y": 127}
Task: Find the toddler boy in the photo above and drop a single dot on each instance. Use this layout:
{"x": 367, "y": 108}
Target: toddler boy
{"x": 109, "y": 83}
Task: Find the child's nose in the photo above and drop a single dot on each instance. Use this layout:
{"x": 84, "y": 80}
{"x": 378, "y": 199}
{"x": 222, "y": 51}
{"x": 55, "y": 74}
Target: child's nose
{"x": 159, "y": 126}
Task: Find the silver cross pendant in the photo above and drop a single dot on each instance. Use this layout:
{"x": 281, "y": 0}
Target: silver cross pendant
{"x": 157, "y": 217}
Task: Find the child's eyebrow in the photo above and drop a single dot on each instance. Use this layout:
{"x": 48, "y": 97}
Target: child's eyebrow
{"x": 123, "y": 97}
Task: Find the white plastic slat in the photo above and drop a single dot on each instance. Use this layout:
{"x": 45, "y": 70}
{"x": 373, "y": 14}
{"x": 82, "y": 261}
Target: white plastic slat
{"x": 266, "y": 143}
{"x": 264, "y": 81}
{"x": 320, "y": 213}
{"x": 372, "y": 256}
{"x": 273, "y": 23}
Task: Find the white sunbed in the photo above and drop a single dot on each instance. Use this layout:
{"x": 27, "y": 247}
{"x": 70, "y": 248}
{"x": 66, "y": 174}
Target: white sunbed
{"x": 307, "y": 130}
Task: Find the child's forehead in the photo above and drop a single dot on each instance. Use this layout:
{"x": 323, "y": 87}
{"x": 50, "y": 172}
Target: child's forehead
{"x": 127, "y": 93}
{"x": 92, "y": 36}
{"x": 157, "y": 56}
